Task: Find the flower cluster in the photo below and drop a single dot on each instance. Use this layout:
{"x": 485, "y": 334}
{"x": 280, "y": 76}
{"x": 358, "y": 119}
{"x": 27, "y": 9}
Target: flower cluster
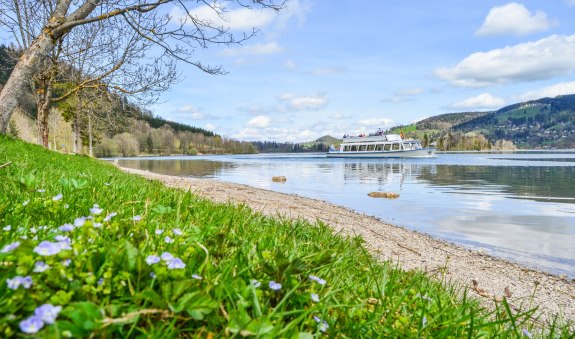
{"x": 49, "y": 248}
{"x": 10, "y": 247}
{"x": 45, "y": 314}
{"x": 171, "y": 261}
{"x": 18, "y": 281}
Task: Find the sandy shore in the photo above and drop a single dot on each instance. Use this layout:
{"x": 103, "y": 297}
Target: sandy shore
{"x": 488, "y": 278}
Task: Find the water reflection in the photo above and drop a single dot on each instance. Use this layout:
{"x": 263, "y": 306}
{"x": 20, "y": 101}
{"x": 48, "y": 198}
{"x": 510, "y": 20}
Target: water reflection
{"x": 180, "y": 167}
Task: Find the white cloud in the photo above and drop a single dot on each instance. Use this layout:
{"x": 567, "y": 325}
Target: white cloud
{"x": 403, "y": 95}
{"x": 255, "y": 49}
{"x": 561, "y": 88}
{"x": 327, "y": 70}
{"x": 210, "y": 127}
{"x": 289, "y": 64}
{"x": 304, "y": 103}
{"x": 375, "y": 123}
{"x": 234, "y": 19}
{"x": 261, "y": 121}
{"x": 515, "y": 19}
{"x": 479, "y": 102}
{"x": 537, "y": 60}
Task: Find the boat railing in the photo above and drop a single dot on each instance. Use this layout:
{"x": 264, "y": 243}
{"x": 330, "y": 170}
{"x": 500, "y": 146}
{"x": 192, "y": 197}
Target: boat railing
{"x": 372, "y": 138}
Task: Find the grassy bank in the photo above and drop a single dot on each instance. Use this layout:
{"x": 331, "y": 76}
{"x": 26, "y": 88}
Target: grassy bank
{"x": 118, "y": 256}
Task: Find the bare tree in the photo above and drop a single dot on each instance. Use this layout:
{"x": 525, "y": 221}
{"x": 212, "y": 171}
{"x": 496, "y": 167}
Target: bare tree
{"x": 147, "y": 18}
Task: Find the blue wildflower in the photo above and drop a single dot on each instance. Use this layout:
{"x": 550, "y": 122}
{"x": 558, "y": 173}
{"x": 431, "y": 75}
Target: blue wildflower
{"x": 317, "y": 279}
{"x": 527, "y": 333}
{"x": 47, "y": 248}
{"x": 10, "y": 247}
{"x": 7, "y": 228}
{"x": 100, "y": 281}
{"x": 63, "y": 238}
{"x": 168, "y": 240}
{"x": 79, "y": 222}
{"x": 177, "y": 231}
{"x": 97, "y": 224}
{"x": 314, "y": 297}
{"x": 136, "y": 218}
{"x": 48, "y": 313}
{"x": 159, "y": 231}
{"x": 424, "y": 321}
{"x": 323, "y": 326}
{"x": 167, "y": 256}
{"x": 31, "y": 325}
{"x": 18, "y": 281}
{"x": 57, "y": 197}
{"x": 96, "y": 210}
{"x": 66, "y": 262}
{"x": 256, "y": 283}
{"x": 40, "y": 266}
{"x": 197, "y": 277}
{"x": 66, "y": 228}
{"x": 110, "y": 216}
{"x": 152, "y": 259}
{"x": 153, "y": 275}
{"x": 275, "y": 286}
{"x": 176, "y": 263}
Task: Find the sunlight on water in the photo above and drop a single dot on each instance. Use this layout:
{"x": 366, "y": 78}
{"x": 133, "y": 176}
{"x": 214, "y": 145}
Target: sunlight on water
{"x": 519, "y": 206}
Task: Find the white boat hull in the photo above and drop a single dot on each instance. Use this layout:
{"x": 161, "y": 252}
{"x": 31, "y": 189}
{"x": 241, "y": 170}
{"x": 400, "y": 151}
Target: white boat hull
{"x": 418, "y": 153}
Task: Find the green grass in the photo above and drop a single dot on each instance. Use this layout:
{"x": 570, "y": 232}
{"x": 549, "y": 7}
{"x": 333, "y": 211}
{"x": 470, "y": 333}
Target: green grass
{"x": 231, "y": 254}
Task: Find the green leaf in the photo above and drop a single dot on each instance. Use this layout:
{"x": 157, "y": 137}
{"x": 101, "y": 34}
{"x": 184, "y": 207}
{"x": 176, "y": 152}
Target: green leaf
{"x": 131, "y": 255}
{"x": 260, "y": 326}
{"x": 201, "y": 305}
{"x": 84, "y": 317}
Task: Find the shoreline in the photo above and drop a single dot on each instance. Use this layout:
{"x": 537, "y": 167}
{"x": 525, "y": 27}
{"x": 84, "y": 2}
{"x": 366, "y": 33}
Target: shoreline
{"x": 488, "y": 278}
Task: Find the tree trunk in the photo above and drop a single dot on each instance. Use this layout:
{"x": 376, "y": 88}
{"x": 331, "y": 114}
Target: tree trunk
{"x": 21, "y": 75}
{"x": 44, "y": 97}
{"x": 90, "y": 136}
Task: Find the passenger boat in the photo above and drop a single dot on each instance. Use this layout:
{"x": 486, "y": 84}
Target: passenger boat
{"x": 380, "y": 146}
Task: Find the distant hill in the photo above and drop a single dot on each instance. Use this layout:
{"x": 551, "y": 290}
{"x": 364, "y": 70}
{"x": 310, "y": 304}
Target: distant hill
{"x": 542, "y": 123}
{"x": 328, "y": 140}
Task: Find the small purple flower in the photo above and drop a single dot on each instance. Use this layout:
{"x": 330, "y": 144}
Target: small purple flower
{"x": 100, "y": 281}
{"x": 177, "y": 231}
{"x": 41, "y": 190}
{"x": 275, "y": 286}
{"x": 47, "y": 248}
{"x": 527, "y": 333}
{"x": 110, "y": 216}
{"x": 66, "y": 228}
{"x": 159, "y": 231}
{"x": 424, "y": 321}
{"x": 31, "y": 325}
{"x": 33, "y": 230}
{"x": 79, "y": 222}
{"x": 317, "y": 319}
{"x": 315, "y": 297}
{"x": 176, "y": 263}
{"x": 97, "y": 225}
{"x": 40, "y": 266}
{"x": 317, "y": 279}
{"x": 63, "y": 238}
{"x": 48, "y": 313}
{"x": 10, "y": 247}
{"x": 136, "y": 218}
{"x": 57, "y": 197}
{"x": 66, "y": 262}
{"x": 167, "y": 256}
{"x": 256, "y": 283}
{"x": 323, "y": 326}
{"x": 18, "y": 281}
{"x": 96, "y": 210}
{"x": 168, "y": 240}
{"x": 197, "y": 277}
{"x": 152, "y": 259}
{"x": 7, "y": 228}
{"x": 153, "y": 275}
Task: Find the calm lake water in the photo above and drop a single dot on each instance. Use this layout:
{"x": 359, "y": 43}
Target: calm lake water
{"x": 519, "y": 206}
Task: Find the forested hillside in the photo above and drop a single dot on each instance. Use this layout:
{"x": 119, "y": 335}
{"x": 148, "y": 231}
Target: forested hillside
{"x": 105, "y": 124}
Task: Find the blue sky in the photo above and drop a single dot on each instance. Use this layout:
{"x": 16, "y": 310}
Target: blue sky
{"x": 349, "y": 66}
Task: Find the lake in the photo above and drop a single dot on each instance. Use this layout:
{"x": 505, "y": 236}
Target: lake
{"x": 518, "y": 205}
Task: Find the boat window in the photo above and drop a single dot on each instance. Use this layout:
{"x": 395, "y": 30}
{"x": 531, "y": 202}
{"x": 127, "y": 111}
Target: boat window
{"x": 370, "y": 147}
{"x": 353, "y": 148}
{"x": 387, "y": 147}
{"x": 362, "y": 147}
{"x": 395, "y": 146}
{"x": 379, "y": 147}
{"x": 406, "y": 145}
{"x": 346, "y": 148}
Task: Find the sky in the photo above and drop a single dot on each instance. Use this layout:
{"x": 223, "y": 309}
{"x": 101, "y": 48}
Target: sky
{"x": 322, "y": 67}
